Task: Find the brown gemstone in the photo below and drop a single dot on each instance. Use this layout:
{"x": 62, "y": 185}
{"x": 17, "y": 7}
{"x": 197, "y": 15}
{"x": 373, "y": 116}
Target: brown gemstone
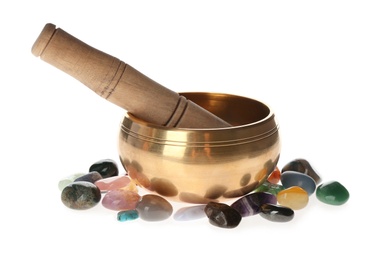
{"x": 222, "y": 215}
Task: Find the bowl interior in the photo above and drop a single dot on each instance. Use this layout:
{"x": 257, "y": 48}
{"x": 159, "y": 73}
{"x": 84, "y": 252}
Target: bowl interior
{"x": 236, "y": 110}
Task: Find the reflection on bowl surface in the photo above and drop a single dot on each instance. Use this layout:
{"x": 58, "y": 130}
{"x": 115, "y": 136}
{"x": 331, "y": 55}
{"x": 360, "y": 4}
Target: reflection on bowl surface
{"x": 202, "y": 165}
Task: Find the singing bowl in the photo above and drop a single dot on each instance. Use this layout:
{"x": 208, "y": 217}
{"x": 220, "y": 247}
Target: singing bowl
{"x": 199, "y": 165}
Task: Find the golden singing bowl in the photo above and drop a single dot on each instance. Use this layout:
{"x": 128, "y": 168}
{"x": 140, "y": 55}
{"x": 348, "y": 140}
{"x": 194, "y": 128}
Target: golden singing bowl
{"x": 202, "y": 165}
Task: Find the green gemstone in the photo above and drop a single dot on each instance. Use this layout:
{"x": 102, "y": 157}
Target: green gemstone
{"x": 332, "y": 193}
{"x": 269, "y": 187}
{"x": 67, "y": 180}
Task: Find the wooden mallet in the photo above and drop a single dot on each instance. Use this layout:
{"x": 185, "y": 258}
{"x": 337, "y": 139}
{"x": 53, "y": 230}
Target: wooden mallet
{"x": 120, "y": 83}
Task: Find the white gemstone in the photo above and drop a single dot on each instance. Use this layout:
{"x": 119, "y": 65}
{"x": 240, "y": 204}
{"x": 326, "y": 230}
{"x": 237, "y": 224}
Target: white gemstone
{"x": 190, "y": 213}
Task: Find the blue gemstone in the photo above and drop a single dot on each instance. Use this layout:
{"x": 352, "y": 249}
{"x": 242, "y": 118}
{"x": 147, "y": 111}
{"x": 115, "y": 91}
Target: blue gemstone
{"x": 303, "y": 166}
{"x": 293, "y": 178}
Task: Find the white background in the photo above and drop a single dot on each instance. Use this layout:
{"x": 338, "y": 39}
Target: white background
{"x": 321, "y": 65}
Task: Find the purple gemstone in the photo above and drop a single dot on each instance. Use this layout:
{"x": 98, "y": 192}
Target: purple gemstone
{"x": 250, "y": 204}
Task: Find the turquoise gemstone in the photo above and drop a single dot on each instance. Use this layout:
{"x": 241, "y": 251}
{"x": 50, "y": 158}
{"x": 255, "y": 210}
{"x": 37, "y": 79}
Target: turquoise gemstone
{"x": 127, "y": 215}
{"x": 332, "y": 193}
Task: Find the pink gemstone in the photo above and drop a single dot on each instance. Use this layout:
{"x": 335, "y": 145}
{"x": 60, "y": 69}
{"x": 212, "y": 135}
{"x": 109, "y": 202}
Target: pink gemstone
{"x": 120, "y": 199}
{"x": 112, "y": 183}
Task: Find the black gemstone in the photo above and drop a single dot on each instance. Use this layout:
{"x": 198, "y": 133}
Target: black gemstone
{"x": 106, "y": 167}
{"x": 276, "y": 213}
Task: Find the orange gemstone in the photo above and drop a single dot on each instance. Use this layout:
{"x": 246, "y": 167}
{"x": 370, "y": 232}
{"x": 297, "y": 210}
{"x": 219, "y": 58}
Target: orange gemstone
{"x": 275, "y": 176}
{"x": 293, "y": 197}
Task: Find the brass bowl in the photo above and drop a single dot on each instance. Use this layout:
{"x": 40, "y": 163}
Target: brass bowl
{"x": 202, "y": 165}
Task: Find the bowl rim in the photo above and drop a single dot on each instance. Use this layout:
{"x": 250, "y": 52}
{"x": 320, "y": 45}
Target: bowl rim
{"x": 156, "y": 126}
{"x": 245, "y": 133}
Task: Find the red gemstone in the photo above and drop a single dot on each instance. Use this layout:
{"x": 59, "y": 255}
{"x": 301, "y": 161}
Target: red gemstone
{"x": 275, "y": 176}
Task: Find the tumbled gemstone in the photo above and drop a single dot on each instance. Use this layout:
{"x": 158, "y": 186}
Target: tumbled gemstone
{"x": 154, "y": 208}
{"x": 80, "y": 195}
{"x": 303, "y": 166}
{"x": 190, "y": 213}
{"x": 270, "y": 188}
{"x": 113, "y": 183}
{"x": 120, "y": 200}
{"x": 106, "y": 167}
{"x": 275, "y": 176}
{"x": 67, "y": 180}
{"x": 293, "y": 178}
{"x": 127, "y": 215}
{"x": 222, "y": 215}
{"x": 276, "y": 213}
{"x": 332, "y": 193}
{"x": 293, "y": 197}
{"x": 250, "y": 204}
{"x": 90, "y": 177}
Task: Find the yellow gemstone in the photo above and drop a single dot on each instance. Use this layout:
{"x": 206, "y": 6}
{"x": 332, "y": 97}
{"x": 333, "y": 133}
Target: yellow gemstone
{"x": 293, "y": 197}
